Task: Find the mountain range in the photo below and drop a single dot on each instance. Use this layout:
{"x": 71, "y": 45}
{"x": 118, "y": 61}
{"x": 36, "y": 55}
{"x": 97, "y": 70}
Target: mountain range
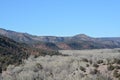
{"x": 80, "y": 41}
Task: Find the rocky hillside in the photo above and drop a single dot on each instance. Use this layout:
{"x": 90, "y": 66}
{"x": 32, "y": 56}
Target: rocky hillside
{"x": 80, "y": 41}
{"x": 12, "y": 52}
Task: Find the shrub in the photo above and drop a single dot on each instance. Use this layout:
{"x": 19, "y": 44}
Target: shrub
{"x": 85, "y": 60}
{"x": 100, "y": 61}
{"x": 117, "y": 67}
{"x": 116, "y": 74}
{"x": 82, "y": 69}
{"x": 117, "y": 61}
{"x": 108, "y": 61}
{"x": 94, "y": 71}
{"x": 110, "y": 67}
{"x": 39, "y": 66}
{"x": 0, "y": 69}
{"x": 87, "y": 65}
{"x": 95, "y": 65}
{"x": 119, "y": 51}
{"x": 90, "y": 61}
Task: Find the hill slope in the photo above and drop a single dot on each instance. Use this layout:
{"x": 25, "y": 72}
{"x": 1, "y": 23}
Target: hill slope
{"x": 80, "y": 41}
{"x": 12, "y": 52}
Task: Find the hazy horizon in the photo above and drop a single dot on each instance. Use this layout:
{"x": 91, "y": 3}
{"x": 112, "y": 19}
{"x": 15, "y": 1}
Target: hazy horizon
{"x": 60, "y": 35}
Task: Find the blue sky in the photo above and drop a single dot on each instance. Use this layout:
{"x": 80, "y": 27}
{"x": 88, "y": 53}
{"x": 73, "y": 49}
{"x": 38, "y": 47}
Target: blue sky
{"x": 96, "y": 18}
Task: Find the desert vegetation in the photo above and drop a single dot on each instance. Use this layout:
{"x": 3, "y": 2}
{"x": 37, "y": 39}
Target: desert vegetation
{"x": 78, "y": 65}
{"x": 13, "y": 53}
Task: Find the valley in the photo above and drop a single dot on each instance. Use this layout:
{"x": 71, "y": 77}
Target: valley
{"x": 28, "y": 57}
{"x": 98, "y": 64}
{"x": 59, "y": 40}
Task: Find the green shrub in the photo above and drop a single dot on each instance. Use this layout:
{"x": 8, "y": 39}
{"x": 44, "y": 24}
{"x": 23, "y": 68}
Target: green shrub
{"x": 94, "y": 71}
{"x": 85, "y": 60}
{"x": 100, "y": 61}
{"x": 117, "y": 67}
{"x": 95, "y": 65}
{"x": 110, "y": 67}
{"x": 117, "y": 61}
{"x": 87, "y": 65}
{"x": 39, "y": 66}
{"x": 90, "y": 61}
{"x": 0, "y": 69}
{"x": 82, "y": 69}
{"x": 116, "y": 74}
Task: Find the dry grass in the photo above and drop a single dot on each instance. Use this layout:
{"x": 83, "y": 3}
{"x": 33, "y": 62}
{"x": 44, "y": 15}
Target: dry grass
{"x": 72, "y": 67}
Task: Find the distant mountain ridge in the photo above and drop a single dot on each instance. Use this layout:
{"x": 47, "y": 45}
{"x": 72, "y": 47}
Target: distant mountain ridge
{"x": 25, "y": 37}
{"x": 80, "y": 41}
